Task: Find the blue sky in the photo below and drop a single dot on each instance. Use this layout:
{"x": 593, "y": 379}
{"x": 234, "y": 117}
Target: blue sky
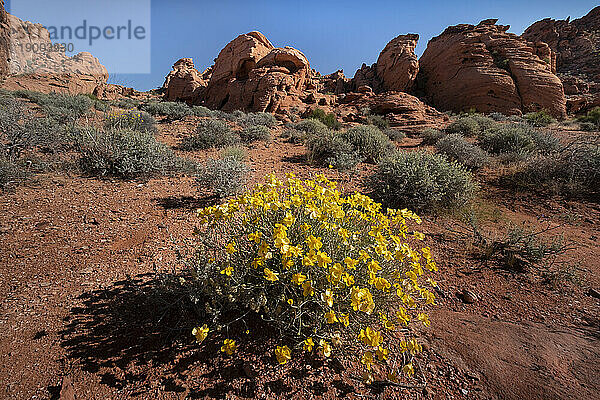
{"x": 332, "y": 34}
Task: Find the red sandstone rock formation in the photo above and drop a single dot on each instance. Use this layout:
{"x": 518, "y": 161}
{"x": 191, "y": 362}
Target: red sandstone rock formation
{"x": 184, "y": 82}
{"x": 46, "y": 70}
{"x": 486, "y": 68}
{"x": 401, "y": 109}
{"x": 397, "y": 65}
{"x": 4, "y": 40}
{"x": 576, "y": 44}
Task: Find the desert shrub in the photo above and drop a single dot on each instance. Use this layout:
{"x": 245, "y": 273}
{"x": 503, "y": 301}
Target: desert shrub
{"x": 484, "y": 122}
{"x": 329, "y": 148}
{"x": 131, "y": 119}
{"x": 455, "y": 147}
{"x": 210, "y": 133}
{"x": 540, "y": 118}
{"x": 394, "y": 134}
{"x": 11, "y": 172}
{"x": 329, "y": 119}
{"x": 238, "y": 152}
{"x": 431, "y": 136}
{"x": 422, "y": 181}
{"x": 124, "y": 153}
{"x": 21, "y": 130}
{"x": 592, "y": 117}
{"x": 200, "y": 111}
{"x": 588, "y": 127}
{"x": 64, "y": 108}
{"x": 170, "y": 109}
{"x": 225, "y": 176}
{"x": 497, "y": 116}
{"x": 517, "y": 138}
{"x": 256, "y": 119}
{"x": 253, "y": 133}
{"x": 379, "y": 121}
{"x": 35, "y": 97}
{"x": 333, "y": 274}
{"x": 573, "y": 171}
{"x": 369, "y": 142}
{"x": 301, "y": 131}
{"x": 126, "y": 103}
{"x": 466, "y": 126}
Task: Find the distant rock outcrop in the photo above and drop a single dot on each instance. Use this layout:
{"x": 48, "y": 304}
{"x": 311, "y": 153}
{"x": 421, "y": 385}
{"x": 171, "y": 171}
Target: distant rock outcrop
{"x": 184, "y": 82}
{"x": 577, "y": 47}
{"x": 35, "y": 64}
{"x": 486, "y": 68}
{"x": 397, "y": 65}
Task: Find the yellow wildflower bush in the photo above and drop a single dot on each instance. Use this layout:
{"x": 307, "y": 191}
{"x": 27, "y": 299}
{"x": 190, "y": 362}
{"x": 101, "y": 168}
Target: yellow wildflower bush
{"x": 336, "y": 274}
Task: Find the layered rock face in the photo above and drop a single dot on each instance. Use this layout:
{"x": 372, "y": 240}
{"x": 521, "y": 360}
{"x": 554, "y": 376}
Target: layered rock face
{"x": 4, "y": 41}
{"x": 35, "y": 64}
{"x": 401, "y": 109}
{"x": 184, "y": 82}
{"x": 397, "y": 65}
{"x": 576, "y": 44}
{"x": 486, "y": 68}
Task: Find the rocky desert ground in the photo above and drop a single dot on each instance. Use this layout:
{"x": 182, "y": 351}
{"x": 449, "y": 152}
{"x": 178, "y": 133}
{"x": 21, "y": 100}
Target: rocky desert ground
{"x": 491, "y": 137}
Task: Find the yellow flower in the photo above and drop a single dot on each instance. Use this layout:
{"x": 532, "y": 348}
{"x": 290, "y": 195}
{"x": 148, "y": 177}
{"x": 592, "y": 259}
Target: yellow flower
{"x": 314, "y": 243}
{"x": 362, "y": 300}
{"x": 200, "y": 333}
{"x": 283, "y": 354}
{"x": 350, "y": 263}
{"x": 307, "y": 289}
{"x": 323, "y": 259}
{"x": 327, "y": 297}
{"x": 290, "y": 302}
{"x": 305, "y": 227}
{"x": 382, "y": 284}
{"x": 370, "y": 337}
{"x": 255, "y": 237}
{"x": 270, "y": 275}
{"x": 324, "y": 348}
{"x": 289, "y": 219}
{"x": 419, "y": 235}
{"x": 382, "y": 353}
{"x": 408, "y": 369}
{"x": 229, "y": 346}
{"x": 367, "y": 359}
{"x": 298, "y": 278}
{"x": 309, "y": 344}
{"x": 348, "y": 279}
{"x": 330, "y": 317}
{"x": 227, "y": 271}
{"x": 344, "y": 319}
{"x": 424, "y": 319}
{"x": 230, "y": 248}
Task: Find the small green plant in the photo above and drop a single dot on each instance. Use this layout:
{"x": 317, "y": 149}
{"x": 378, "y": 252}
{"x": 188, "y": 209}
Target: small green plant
{"x": 255, "y": 119}
{"x": 498, "y": 117}
{"x": 124, "y": 153}
{"x": 540, "y": 118}
{"x": 238, "y": 152}
{"x": 422, "y": 181}
{"x": 200, "y": 111}
{"x": 253, "y": 133}
{"x": 395, "y": 135}
{"x": 431, "y": 136}
{"x": 369, "y": 142}
{"x": 210, "y": 133}
{"x": 171, "y": 110}
{"x": 225, "y": 176}
{"x": 301, "y": 131}
{"x": 574, "y": 171}
{"x": 592, "y": 116}
{"x": 466, "y": 126}
{"x": 11, "y": 172}
{"x": 588, "y": 127}
{"x": 379, "y": 121}
{"x": 517, "y": 138}
{"x": 329, "y": 119}
{"x": 126, "y": 103}
{"x": 455, "y": 147}
{"x": 131, "y": 119}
